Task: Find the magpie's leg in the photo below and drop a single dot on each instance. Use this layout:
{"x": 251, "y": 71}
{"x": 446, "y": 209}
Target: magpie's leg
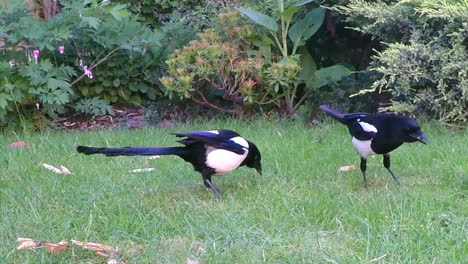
{"x": 363, "y": 170}
{"x": 386, "y": 163}
{"x": 206, "y": 174}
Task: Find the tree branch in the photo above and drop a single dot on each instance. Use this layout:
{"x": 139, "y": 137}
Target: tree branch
{"x": 205, "y": 102}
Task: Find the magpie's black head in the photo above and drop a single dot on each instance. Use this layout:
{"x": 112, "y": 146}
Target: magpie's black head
{"x": 253, "y": 159}
{"x": 412, "y": 131}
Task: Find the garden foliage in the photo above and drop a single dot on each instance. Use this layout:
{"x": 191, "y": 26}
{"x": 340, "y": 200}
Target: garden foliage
{"x": 253, "y": 63}
{"x": 87, "y": 56}
{"x": 425, "y": 60}
{"x": 198, "y": 14}
{"x": 216, "y": 70}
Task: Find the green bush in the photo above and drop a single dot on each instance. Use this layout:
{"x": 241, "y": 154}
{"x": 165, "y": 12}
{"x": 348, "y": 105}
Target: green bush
{"x": 425, "y": 59}
{"x": 215, "y": 70}
{"x": 293, "y": 72}
{"x": 197, "y": 14}
{"x": 87, "y": 50}
{"x": 258, "y": 64}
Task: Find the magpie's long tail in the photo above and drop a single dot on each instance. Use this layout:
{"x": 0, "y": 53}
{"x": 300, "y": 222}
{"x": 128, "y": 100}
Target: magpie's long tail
{"x": 333, "y": 113}
{"x": 131, "y": 151}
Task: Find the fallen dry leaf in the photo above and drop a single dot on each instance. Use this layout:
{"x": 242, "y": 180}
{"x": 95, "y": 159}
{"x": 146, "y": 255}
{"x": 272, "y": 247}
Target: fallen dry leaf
{"x": 19, "y": 144}
{"x": 62, "y": 170}
{"x": 189, "y": 261}
{"x": 57, "y": 247}
{"x": 100, "y": 249}
{"x": 25, "y": 243}
{"x": 142, "y": 170}
{"x": 65, "y": 170}
{"x": 102, "y": 254}
{"x": 347, "y": 168}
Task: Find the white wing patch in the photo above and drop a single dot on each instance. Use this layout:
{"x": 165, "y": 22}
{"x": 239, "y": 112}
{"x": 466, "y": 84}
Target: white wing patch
{"x": 213, "y": 132}
{"x": 241, "y": 141}
{"x": 367, "y": 127}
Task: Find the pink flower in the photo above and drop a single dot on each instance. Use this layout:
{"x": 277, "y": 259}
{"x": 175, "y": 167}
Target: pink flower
{"x": 35, "y": 54}
{"x": 61, "y": 49}
{"x": 87, "y": 72}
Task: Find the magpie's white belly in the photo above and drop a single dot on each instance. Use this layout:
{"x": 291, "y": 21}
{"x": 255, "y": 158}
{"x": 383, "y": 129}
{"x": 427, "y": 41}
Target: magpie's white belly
{"x": 224, "y": 161}
{"x": 363, "y": 147}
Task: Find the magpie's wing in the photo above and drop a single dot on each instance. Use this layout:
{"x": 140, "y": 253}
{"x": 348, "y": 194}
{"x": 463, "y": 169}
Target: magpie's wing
{"x": 361, "y": 126}
{"x": 211, "y": 138}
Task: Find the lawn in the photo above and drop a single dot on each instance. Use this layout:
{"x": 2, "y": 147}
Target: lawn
{"x": 301, "y": 210}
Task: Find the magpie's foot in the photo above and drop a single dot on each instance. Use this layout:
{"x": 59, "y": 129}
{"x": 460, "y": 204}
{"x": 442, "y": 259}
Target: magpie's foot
{"x": 213, "y": 188}
{"x": 217, "y": 194}
{"x": 400, "y": 184}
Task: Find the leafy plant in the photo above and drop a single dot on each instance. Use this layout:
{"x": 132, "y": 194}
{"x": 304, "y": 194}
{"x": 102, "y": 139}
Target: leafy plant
{"x": 88, "y": 49}
{"x": 295, "y": 68}
{"x": 94, "y": 107}
{"x": 217, "y": 67}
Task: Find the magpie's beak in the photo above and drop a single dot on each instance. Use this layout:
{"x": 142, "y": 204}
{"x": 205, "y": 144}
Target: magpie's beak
{"x": 421, "y": 137}
{"x": 258, "y": 167}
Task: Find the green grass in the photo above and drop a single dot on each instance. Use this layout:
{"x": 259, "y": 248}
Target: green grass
{"x": 301, "y": 210}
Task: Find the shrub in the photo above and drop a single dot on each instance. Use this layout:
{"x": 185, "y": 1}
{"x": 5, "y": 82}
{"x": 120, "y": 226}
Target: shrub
{"x": 94, "y": 107}
{"x": 246, "y": 64}
{"x": 425, "y": 60}
{"x": 86, "y": 50}
{"x": 197, "y": 14}
{"x": 293, "y": 72}
{"x": 216, "y": 69}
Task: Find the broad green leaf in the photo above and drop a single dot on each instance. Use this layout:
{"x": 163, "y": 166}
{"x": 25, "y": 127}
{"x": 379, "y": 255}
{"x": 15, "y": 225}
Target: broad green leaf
{"x": 4, "y": 29}
{"x": 143, "y": 88}
{"x": 3, "y": 102}
{"x": 308, "y": 67}
{"x": 264, "y": 44}
{"x": 260, "y": 18}
{"x": 107, "y": 83}
{"x": 289, "y": 13}
{"x": 133, "y": 87}
{"x": 84, "y": 91}
{"x": 304, "y": 28}
{"x": 296, "y": 31}
{"x": 314, "y": 20}
{"x": 329, "y": 75}
{"x": 99, "y": 89}
{"x": 116, "y": 83}
{"x": 303, "y": 2}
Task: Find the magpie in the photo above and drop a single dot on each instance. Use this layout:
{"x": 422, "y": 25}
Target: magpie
{"x": 374, "y": 134}
{"x": 211, "y": 153}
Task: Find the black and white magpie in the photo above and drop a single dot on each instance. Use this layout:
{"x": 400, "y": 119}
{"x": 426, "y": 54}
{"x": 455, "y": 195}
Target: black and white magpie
{"x": 378, "y": 134}
{"x": 210, "y": 152}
